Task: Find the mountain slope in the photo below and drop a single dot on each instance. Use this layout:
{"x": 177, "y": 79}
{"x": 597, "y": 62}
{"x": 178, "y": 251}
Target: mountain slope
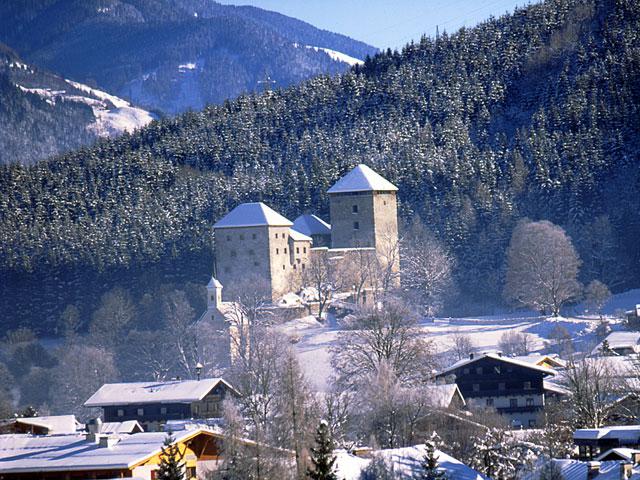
{"x": 172, "y": 55}
{"x": 42, "y": 114}
{"x": 534, "y": 114}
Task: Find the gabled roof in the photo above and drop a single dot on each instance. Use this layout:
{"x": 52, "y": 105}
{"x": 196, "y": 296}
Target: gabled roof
{"x": 622, "y": 454}
{"x": 539, "y": 359}
{"x": 28, "y": 453}
{"x": 628, "y": 432}
{"x": 179, "y": 391}
{"x": 441, "y": 396}
{"x": 499, "y": 357}
{"x": 620, "y": 340}
{"x": 55, "y": 424}
{"x": 362, "y": 179}
{"x": 299, "y": 237}
{"x": 252, "y": 215}
{"x": 311, "y": 225}
{"x": 555, "y": 388}
{"x": 128, "y": 426}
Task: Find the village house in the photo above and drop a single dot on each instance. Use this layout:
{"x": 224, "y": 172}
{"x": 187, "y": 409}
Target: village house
{"x": 593, "y": 442}
{"x": 619, "y": 343}
{"x": 49, "y": 425}
{"x": 514, "y": 388}
{"x": 97, "y": 456}
{"x": 255, "y": 243}
{"x": 152, "y": 404}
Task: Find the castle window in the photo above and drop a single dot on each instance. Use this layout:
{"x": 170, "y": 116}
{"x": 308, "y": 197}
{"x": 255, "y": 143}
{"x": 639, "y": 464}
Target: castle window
{"x": 276, "y": 235}
{"x": 354, "y": 209}
{"x": 233, "y": 253}
{"x": 356, "y": 225}
{"x": 303, "y": 266}
{"x": 277, "y": 251}
{"x": 285, "y": 250}
{"x": 304, "y": 250}
{"x": 294, "y": 266}
{"x": 228, "y": 238}
{"x": 227, "y": 270}
{"x": 251, "y": 252}
{"x": 297, "y": 249}
{"x": 384, "y": 202}
{"x": 255, "y": 264}
{"x": 242, "y": 236}
{"x": 283, "y": 267}
{"x": 253, "y": 235}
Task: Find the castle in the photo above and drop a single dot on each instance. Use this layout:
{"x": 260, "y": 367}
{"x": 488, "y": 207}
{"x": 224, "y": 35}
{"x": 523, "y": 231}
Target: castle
{"x": 255, "y": 242}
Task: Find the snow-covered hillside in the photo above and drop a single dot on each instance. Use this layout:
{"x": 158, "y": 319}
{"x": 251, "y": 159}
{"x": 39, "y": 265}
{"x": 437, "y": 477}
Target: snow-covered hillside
{"x": 334, "y": 55}
{"x": 313, "y": 341}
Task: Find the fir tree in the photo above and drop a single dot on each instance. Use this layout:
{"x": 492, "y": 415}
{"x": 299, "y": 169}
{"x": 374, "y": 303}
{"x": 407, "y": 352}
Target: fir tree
{"x": 429, "y": 466}
{"x": 171, "y": 467}
{"x": 322, "y": 455}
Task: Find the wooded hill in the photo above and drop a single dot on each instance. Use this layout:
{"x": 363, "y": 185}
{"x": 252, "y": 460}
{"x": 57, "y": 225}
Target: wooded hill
{"x": 534, "y": 114}
{"x": 171, "y": 55}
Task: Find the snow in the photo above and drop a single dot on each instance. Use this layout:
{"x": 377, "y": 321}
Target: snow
{"x": 621, "y": 339}
{"x": 362, "y": 179}
{"x": 578, "y": 470}
{"x": 441, "y": 396}
{"x": 297, "y": 236}
{"x": 500, "y": 357}
{"x": 113, "y": 115}
{"x": 55, "y": 424}
{"x": 311, "y": 225}
{"x": 334, "y": 55}
{"x": 179, "y": 391}
{"x": 626, "y": 453}
{"x": 405, "y": 462}
{"x": 128, "y": 426}
{"x": 252, "y": 215}
{"x": 626, "y": 432}
{"x": 187, "y": 66}
{"x": 213, "y": 284}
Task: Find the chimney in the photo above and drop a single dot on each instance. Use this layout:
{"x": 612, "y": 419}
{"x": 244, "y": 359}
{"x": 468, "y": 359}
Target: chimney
{"x": 108, "y": 441}
{"x": 626, "y": 470}
{"x": 593, "y": 469}
{"x": 471, "y": 356}
{"x": 635, "y": 458}
{"x": 94, "y": 425}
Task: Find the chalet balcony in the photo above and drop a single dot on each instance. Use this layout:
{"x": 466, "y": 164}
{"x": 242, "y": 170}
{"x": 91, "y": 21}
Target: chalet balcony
{"x": 520, "y": 409}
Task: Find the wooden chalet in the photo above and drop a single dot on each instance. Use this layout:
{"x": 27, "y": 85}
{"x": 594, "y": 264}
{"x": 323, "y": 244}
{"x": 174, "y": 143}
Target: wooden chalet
{"x": 153, "y": 404}
{"x": 514, "y": 388}
{"x": 592, "y": 442}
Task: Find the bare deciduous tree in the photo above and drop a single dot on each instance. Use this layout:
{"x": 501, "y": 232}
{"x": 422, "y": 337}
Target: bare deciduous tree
{"x": 462, "y": 345}
{"x": 389, "y": 336}
{"x": 515, "y": 343}
{"x": 110, "y": 320}
{"x": 542, "y": 267}
{"x": 322, "y": 274}
{"x": 427, "y": 269}
{"x": 596, "y": 295}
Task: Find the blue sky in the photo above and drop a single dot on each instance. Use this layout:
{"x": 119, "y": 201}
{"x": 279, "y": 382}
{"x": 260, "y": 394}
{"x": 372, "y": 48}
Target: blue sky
{"x": 387, "y": 23}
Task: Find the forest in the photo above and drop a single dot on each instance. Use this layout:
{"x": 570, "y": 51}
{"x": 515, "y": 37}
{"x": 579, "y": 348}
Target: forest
{"x": 530, "y": 115}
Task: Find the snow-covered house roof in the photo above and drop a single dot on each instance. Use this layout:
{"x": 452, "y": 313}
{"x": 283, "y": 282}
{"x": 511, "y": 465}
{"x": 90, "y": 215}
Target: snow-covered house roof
{"x": 405, "y": 462}
{"x": 579, "y": 470}
{"x": 128, "y": 426}
{"x": 555, "y": 388}
{"x": 252, "y": 215}
{"x": 178, "y": 391}
{"x": 621, "y": 432}
{"x": 442, "y": 396}
{"x": 497, "y": 356}
{"x": 53, "y": 425}
{"x": 311, "y": 225}
{"x": 362, "y": 179}
{"x": 542, "y": 360}
{"x": 619, "y": 341}
{"x": 626, "y": 454}
{"x": 22, "y": 453}
{"x": 296, "y": 236}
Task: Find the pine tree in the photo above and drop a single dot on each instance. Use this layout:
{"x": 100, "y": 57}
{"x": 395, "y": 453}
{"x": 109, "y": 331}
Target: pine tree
{"x": 322, "y": 455}
{"x": 171, "y": 467}
{"x": 429, "y": 466}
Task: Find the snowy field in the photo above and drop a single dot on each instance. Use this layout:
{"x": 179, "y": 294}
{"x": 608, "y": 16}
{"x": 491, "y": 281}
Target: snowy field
{"x": 313, "y": 340}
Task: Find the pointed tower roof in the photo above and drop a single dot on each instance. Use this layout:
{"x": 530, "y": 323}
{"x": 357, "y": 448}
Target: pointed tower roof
{"x": 311, "y": 225}
{"x": 252, "y": 215}
{"x": 213, "y": 283}
{"x": 362, "y": 179}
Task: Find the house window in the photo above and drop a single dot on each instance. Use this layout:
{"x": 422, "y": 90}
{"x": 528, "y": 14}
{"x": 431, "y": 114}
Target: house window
{"x": 527, "y": 385}
{"x": 479, "y": 370}
{"x": 513, "y": 402}
{"x": 532, "y": 423}
{"x": 141, "y": 412}
{"x": 120, "y": 412}
{"x": 489, "y": 402}
{"x": 196, "y": 409}
{"x": 356, "y": 225}
{"x": 163, "y": 410}
{"x": 529, "y": 402}
{"x": 297, "y": 250}
{"x": 354, "y": 209}
{"x": 191, "y": 472}
{"x": 466, "y": 371}
{"x": 476, "y": 387}
{"x": 154, "y": 474}
{"x": 502, "y": 386}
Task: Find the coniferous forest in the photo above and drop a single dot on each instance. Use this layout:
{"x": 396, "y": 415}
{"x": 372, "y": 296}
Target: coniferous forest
{"x": 532, "y": 115}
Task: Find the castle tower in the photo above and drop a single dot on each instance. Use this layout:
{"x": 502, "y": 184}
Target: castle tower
{"x": 364, "y": 213}
{"x": 251, "y": 246}
{"x": 214, "y": 294}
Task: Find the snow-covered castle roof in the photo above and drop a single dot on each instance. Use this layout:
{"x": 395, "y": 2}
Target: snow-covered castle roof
{"x": 362, "y": 179}
{"x": 255, "y": 214}
{"x": 311, "y": 225}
